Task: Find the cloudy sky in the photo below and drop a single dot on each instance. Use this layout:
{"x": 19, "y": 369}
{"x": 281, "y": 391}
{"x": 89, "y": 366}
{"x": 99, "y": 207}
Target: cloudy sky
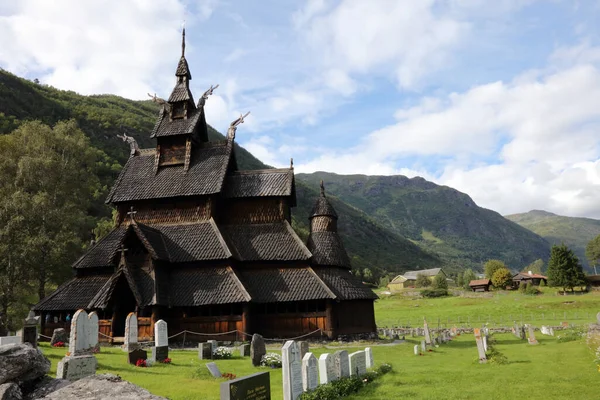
{"x": 498, "y": 99}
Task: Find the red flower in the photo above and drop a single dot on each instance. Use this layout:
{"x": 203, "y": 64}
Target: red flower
{"x": 140, "y": 363}
{"x": 166, "y": 361}
{"x": 58, "y": 344}
{"x": 228, "y": 375}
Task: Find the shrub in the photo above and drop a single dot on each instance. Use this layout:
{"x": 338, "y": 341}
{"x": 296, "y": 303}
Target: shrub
{"x": 422, "y": 281}
{"x": 532, "y": 290}
{"x": 430, "y": 293}
{"x": 542, "y": 283}
{"x": 222, "y": 353}
{"x": 523, "y": 287}
{"x": 384, "y": 368}
{"x": 440, "y": 282}
{"x": 272, "y": 360}
{"x": 570, "y": 335}
{"x": 502, "y": 278}
{"x": 496, "y": 357}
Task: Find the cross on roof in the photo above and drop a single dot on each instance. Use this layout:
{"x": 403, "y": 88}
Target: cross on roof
{"x": 123, "y": 250}
{"x": 131, "y": 213}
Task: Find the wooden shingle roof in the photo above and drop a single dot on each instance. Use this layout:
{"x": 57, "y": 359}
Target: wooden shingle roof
{"x": 343, "y": 284}
{"x": 202, "y": 286}
{"x": 73, "y": 294}
{"x": 327, "y": 248}
{"x": 165, "y": 127}
{"x": 260, "y": 183}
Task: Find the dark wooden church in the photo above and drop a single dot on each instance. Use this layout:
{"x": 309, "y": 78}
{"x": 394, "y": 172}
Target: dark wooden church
{"x": 210, "y": 248}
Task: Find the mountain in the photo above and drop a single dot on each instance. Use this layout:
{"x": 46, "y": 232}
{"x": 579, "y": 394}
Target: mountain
{"x": 557, "y": 229}
{"x": 438, "y": 219}
{"x": 102, "y": 117}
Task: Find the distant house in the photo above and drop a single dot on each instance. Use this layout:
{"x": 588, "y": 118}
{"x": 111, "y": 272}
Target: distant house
{"x": 408, "y": 279}
{"x": 480, "y": 285}
{"x": 529, "y": 278}
{"x": 594, "y": 280}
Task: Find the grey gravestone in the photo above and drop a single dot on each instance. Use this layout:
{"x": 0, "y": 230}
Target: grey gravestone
{"x": 369, "y": 357}
{"x": 416, "y": 350}
{"x": 73, "y": 368}
{"x": 10, "y": 340}
{"x": 342, "y": 366}
{"x": 257, "y": 349}
{"x": 256, "y": 386}
{"x": 205, "y": 351}
{"x": 304, "y": 348}
{"x": 135, "y": 355}
{"x": 92, "y": 332}
{"x": 485, "y": 344}
{"x": 292, "y": 370}
{"x": 480, "y": 349}
{"x": 326, "y": 368}
{"x": 131, "y": 332}
{"x": 214, "y": 344}
{"x": 310, "y": 373}
{"x": 358, "y": 364}
{"x": 214, "y": 370}
{"x": 244, "y": 350}
{"x": 58, "y": 335}
{"x": 423, "y": 346}
{"x": 159, "y": 353}
{"x": 531, "y": 339}
{"x": 427, "y": 333}
{"x": 30, "y": 333}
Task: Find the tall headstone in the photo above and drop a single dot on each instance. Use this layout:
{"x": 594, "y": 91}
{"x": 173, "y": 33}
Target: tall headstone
{"x": 292, "y": 370}
{"x": 427, "y": 333}
{"x": 423, "y": 346}
{"x": 531, "y": 339}
{"x": 416, "y": 349}
{"x": 342, "y": 364}
{"x": 369, "y": 357}
{"x": 160, "y": 351}
{"x": 480, "y": 349}
{"x": 30, "y": 333}
{"x": 358, "y": 363}
{"x": 485, "y": 343}
{"x": 79, "y": 362}
{"x": 327, "y": 371}
{"x": 257, "y": 349}
{"x": 92, "y": 332}
{"x": 304, "y": 347}
{"x": 131, "y": 333}
{"x": 79, "y": 337}
{"x": 310, "y": 373}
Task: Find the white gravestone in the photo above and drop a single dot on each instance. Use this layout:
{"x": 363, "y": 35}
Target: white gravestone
{"x": 427, "y": 334}
{"x": 342, "y": 364}
{"x": 327, "y": 371}
{"x": 485, "y": 344}
{"x": 480, "y": 349}
{"x": 358, "y": 364}
{"x": 292, "y": 370}
{"x": 79, "y": 337}
{"x": 310, "y": 374}
{"x": 423, "y": 346}
{"x": 92, "y": 331}
{"x": 531, "y": 339}
{"x": 131, "y": 332}
{"x": 160, "y": 333}
{"x": 416, "y": 350}
{"x": 369, "y": 357}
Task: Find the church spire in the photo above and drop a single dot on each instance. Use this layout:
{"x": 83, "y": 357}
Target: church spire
{"x": 183, "y": 41}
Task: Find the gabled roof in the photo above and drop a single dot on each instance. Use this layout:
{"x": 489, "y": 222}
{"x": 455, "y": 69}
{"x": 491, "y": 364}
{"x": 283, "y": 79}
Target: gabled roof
{"x": 343, "y": 284}
{"x": 206, "y": 174}
{"x": 480, "y": 282}
{"x": 327, "y": 249}
{"x": 182, "y": 68}
{"x": 265, "y": 242}
{"x": 102, "y": 254}
{"x": 525, "y": 275}
{"x": 260, "y": 183}
{"x": 181, "y": 92}
{"x": 202, "y": 286}
{"x": 398, "y": 279}
{"x": 425, "y": 272}
{"x": 152, "y": 240}
{"x": 73, "y": 294}
{"x": 165, "y": 127}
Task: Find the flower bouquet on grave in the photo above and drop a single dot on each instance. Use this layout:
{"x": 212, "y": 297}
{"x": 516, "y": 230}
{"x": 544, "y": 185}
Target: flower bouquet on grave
{"x": 228, "y": 375}
{"x": 140, "y": 363}
{"x": 272, "y": 360}
{"x": 222, "y": 353}
{"x": 166, "y": 361}
{"x": 59, "y": 344}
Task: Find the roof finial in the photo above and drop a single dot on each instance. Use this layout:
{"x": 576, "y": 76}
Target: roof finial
{"x": 292, "y": 163}
{"x": 234, "y": 124}
{"x": 322, "y": 189}
{"x": 131, "y": 214}
{"x": 209, "y": 92}
{"x": 183, "y": 39}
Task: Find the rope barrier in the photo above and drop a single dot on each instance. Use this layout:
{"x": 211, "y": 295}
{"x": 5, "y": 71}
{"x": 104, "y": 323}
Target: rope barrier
{"x": 44, "y": 336}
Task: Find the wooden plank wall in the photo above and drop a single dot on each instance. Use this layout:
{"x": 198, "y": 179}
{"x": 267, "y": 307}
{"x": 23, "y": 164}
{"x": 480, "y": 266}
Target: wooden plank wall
{"x": 289, "y": 325}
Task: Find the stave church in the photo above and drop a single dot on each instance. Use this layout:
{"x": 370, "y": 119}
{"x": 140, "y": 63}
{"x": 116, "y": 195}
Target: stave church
{"x": 210, "y": 248}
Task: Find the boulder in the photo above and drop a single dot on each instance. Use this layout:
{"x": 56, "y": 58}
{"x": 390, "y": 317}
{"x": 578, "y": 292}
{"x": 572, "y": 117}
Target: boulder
{"x": 10, "y": 391}
{"x": 257, "y": 349}
{"x": 59, "y": 335}
{"x": 101, "y": 387}
{"x": 22, "y": 363}
{"x": 43, "y": 387}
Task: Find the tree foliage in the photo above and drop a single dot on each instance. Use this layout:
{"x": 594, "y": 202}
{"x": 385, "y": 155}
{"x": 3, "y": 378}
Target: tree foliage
{"x": 468, "y": 276}
{"x": 592, "y": 251}
{"x": 492, "y": 266}
{"x": 535, "y": 267}
{"x": 502, "y": 278}
{"x": 439, "y": 282}
{"x": 564, "y": 269}
{"x": 422, "y": 281}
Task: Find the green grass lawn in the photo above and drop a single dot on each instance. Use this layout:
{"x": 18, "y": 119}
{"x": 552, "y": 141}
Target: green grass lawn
{"x": 550, "y": 370}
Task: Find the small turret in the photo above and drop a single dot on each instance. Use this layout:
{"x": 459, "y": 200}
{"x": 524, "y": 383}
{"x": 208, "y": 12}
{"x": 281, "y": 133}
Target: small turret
{"x": 323, "y": 217}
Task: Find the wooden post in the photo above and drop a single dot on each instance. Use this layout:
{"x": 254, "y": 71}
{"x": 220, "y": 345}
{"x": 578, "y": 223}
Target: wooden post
{"x": 330, "y": 320}
{"x": 245, "y": 322}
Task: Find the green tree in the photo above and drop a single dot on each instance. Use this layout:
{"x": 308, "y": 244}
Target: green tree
{"x": 535, "y": 267}
{"x": 422, "y": 281}
{"x": 459, "y": 280}
{"x": 502, "y": 278}
{"x": 492, "y": 266}
{"x": 439, "y": 282}
{"x": 468, "y": 276}
{"x": 564, "y": 269}
{"x": 367, "y": 275}
{"x": 592, "y": 251}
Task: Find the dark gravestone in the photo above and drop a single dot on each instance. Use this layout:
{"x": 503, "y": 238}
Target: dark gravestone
{"x": 136, "y": 355}
{"x": 30, "y": 335}
{"x": 205, "y": 351}
{"x": 252, "y": 387}
{"x": 160, "y": 353}
{"x": 244, "y": 350}
{"x": 257, "y": 349}
{"x": 59, "y": 335}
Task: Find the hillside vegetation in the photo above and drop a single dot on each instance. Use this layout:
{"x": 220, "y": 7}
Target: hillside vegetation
{"x": 557, "y": 229}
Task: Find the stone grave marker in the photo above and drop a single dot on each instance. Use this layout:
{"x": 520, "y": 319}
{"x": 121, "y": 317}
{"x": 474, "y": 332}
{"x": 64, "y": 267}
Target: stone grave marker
{"x": 131, "y": 333}
{"x": 205, "y": 351}
{"x": 341, "y": 363}
{"x": 257, "y": 349}
{"x": 480, "y": 349}
{"x": 214, "y": 344}
{"x": 256, "y": 386}
{"x": 292, "y": 370}
{"x": 485, "y": 344}
{"x": 423, "y": 346}
{"x": 79, "y": 337}
{"x": 214, "y": 370}
{"x": 358, "y": 363}
{"x": 30, "y": 333}
{"x": 453, "y": 331}
{"x": 244, "y": 350}
{"x": 304, "y": 347}
{"x": 76, "y": 367}
{"x": 427, "y": 333}
{"x": 531, "y": 339}
{"x": 327, "y": 371}
{"x": 92, "y": 332}
{"x": 310, "y": 373}
{"x": 59, "y": 335}
{"x": 160, "y": 351}
{"x": 416, "y": 350}
{"x": 10, "y": 340}
{"x": 369, "y": 357}
{"x": 135, "y": 355}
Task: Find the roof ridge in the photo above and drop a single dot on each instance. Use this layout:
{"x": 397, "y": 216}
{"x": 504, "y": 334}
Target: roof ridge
{"x": 239, "y": 282}
{"x": 305, "y": 249}
{"x": 327, "y": 289}
{"x": 262, "y": 171}
{"x": 220, "y": 237}
{"x": 58, "y": 290}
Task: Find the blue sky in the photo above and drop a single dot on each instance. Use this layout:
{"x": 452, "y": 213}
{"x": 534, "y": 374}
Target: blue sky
{"x": 497, "y": 99}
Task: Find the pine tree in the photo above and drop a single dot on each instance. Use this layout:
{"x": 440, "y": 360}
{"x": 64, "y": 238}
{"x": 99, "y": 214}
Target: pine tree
{"x": 564, "y": 269}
